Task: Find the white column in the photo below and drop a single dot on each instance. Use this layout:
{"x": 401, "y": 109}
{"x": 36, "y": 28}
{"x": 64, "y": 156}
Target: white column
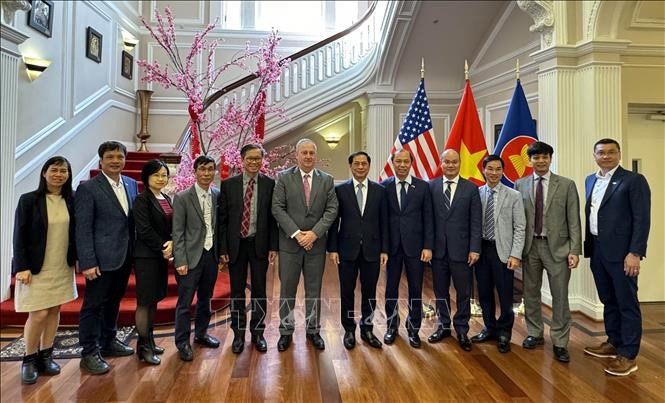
{"x": 579, "y": 103}
{"x": 380, "y": 134}
{"x": 10, "y": 59}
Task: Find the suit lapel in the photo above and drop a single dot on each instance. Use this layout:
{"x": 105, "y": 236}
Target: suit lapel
{"x": 314, "y": 186}
{"x": 500, "y": 197}
{"x": 105, "y": 186}
{"x": 615, "y": 182}
{"x": 529, "y": 189}
{"x": 551, "y": 191}
{"x": 43, "y": 211}
{"x": 391, "y": 188}
{"x": 194, "y": 199}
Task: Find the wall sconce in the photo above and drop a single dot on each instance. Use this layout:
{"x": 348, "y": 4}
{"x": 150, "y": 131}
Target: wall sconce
{"x": 35, "y": 67}
{"x": 332, "y": 139}
{"x": 130, "y": 44}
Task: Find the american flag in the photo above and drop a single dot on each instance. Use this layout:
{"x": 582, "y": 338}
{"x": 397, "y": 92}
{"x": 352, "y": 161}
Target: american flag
{"x": 416, "y": 136}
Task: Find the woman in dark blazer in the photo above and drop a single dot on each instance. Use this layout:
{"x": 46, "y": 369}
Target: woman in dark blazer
{"x": 152, "y": 251}
{"x": 44, "y": 258}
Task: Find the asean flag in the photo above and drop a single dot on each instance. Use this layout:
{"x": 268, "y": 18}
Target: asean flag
{"x": 466, "y": 137}
{"x": 517, "y": 134}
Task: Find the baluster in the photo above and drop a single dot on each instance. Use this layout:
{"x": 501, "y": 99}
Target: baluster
{"x": 295, "y": 74}
{"x": 285, "y": 82}
{"x": 328, "y": 59}
{"x": 320, "y": 66}
{"x": 304, "y": 71}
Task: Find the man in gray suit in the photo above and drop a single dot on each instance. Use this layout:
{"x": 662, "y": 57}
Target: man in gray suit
{"x": 553, "y": 243}
{"x": 503, "y": 240}
{"x": 195, "y": 256}
{"x": 305, "y": 206}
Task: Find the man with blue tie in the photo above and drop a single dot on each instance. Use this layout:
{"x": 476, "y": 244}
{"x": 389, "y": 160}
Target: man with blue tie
{"x": 358, "y": 245}
{"x": 618, "y": 205}
{"x": 457, "y": 244}
{"x": 411, "y": 236}
{"x": 503, "y": 240}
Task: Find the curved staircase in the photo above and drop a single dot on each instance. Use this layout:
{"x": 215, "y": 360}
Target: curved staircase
{"x": 69, "y": 313}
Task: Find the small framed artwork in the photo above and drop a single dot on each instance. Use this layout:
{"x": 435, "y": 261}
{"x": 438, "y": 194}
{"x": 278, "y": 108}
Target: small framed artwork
{"x": 127, "y": 66}
{"x": 93, "y": 45}
{"x": 40, "y": 16}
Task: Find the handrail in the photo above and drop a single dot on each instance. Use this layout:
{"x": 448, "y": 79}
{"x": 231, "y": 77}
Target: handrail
{"x": 181, "y": 144}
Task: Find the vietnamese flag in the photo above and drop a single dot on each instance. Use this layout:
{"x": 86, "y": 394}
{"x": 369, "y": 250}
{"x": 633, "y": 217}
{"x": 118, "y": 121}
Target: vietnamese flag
{"x": 466, "y": 137}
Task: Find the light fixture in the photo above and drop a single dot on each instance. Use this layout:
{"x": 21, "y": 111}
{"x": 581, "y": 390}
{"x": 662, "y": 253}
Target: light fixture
{"x": 130, "y": 43}
{"x": 333, "y": 139}
{"x": 35, "y": 67}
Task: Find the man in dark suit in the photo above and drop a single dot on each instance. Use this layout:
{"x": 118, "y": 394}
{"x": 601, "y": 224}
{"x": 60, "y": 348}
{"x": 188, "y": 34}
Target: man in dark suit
{"x": 248, "y": 234}
{"x": 553, "y": 242}
{"x": 195, "y": 256}
{"x": 411, "y": 237}
{"x": 618, "y": 206}
{"x": 358, "y": 244}
{"x": 304, "y": 205}
{"x": 457, "y": 228}
{"x": 104, "y": 239}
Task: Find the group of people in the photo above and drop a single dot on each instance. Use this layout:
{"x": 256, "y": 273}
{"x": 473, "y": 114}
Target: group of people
{"x": 403, "y": 223}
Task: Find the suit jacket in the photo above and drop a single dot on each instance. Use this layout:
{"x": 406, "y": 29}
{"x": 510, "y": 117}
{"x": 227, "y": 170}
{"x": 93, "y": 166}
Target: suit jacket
{"x": 152, "y": 225}
{"x": 231, "y": 200}
{"x": 293, "y": 214}
{"x": 623, "y": 217}
{"x": 30, "y": 229}
{"x": 189, "y": 228}
{"x": 561, "y": 216}
{"x": 104, "y": 234}
{"x": 458, "y": 231}
{"x": 413, "y": 226}
{"x": 353, "y": 233}
{"x": 509, "y": 220}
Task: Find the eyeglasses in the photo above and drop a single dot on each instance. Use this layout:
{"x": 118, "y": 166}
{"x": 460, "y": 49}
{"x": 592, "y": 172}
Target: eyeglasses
{"x": 610, "y": 153}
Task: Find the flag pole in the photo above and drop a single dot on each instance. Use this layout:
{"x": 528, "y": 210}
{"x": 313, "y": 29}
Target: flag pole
{"x": 466, "y": 70}
{"x": 422, "y": 67}
{"x": 517, "y": 69}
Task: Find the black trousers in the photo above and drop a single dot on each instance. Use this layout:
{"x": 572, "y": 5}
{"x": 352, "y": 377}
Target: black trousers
{"x": 238, "y": 272}
{"x": 101, "y": 304}
{"x": 200, "y": 280}
{"x": 414, "y": 269}
{"x": 460, "y": 272}
{"x": 348, "y": 275}
{"x": 492, "y": 273}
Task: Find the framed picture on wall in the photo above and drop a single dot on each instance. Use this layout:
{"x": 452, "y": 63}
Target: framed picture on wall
{"x": 40, "y": 16}
{"x": 127, "y": 65}
{"x": 93, "y": 45}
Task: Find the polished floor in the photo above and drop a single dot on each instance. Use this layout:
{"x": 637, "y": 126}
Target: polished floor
{"x": 434, "y": 373}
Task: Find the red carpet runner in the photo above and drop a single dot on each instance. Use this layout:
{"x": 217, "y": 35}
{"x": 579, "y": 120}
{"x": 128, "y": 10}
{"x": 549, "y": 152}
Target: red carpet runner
{"x": 69, "y": 313}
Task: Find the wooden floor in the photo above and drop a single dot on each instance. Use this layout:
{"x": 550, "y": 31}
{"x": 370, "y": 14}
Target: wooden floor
{"x": 441, "y": 372}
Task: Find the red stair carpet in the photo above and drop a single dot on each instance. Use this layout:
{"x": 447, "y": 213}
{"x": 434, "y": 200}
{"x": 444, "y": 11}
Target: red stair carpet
{"x": 69, "y": 313}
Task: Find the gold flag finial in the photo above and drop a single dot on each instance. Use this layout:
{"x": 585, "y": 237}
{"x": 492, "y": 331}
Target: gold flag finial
{"x": 466, "y": 70}
{"x": 422, "y": 67}
{"x": 517, "y": 69}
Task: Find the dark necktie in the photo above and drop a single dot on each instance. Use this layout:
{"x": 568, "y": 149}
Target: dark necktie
{"x": 538, "y": 220}
{"x": 447, "y": 195}
{"x": 402, "y": 195}
{"x": 359, "y": 197}
{"x": 489, "y": 216}
{"x": 246, "y": 209}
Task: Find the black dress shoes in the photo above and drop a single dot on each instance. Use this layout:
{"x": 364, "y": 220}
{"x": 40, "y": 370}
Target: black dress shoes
{"x": 185, "y": 352}
{"x": 561, "y": 354}
{"x": 370, "y": 339}
{"x": 531, "y": 342}
{"x": 464, "y": 342}
{"x": 414, "y": 339}
{"x": 349, "y": 340}
{"x": 259, "y": 343}
{"x": 316, "y": 340}
{"x": 45, "y": 363}
{"x": 503, "y": 344}
{"x": 29, "y": 373}
{"x": 284, "y": 342}
{"x": 94, "y": 364}
{"x": 207, "y": 341}
{"x": 238, "y": 343}
{"x": 390, "y": 336}
{"x": 484, "y": 335}
{"x": 439, "y": 335}
{"x": 116, "y": 349}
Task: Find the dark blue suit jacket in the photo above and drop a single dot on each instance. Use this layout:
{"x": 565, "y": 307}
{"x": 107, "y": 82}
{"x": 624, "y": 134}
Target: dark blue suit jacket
{"x": 623, "y": 217}
{"x": 457, "y": 231}
{"x": 352, "y": 233}
{"x": 104, "y": 234}
{"x": 411, "y": 227}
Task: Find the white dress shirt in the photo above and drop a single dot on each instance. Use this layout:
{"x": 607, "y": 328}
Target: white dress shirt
{"x": 365, "y": 183}
{"x": 302, "y": 176}
{"x": 205, "y": 201}
{"x": 453, "y": 187}
{"x": 597, "y": 195}
{"x": 398, "y": 187}
{"x": 120, "y": 192}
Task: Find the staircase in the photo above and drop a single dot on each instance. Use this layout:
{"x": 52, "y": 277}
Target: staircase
{"x": 69, "y": 313}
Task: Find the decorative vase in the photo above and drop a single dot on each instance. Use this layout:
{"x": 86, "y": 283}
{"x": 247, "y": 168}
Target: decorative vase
{"x": 144, "y": 104}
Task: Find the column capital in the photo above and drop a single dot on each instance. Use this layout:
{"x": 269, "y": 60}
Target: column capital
{"x": 381, "y": 98}
{"x": 542, "y": 12}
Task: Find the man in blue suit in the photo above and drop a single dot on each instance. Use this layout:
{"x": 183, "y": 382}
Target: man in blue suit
{"x": 411, "y": 236}
{"x": 617, "y": 211}
{"x": 104, "y": 240}
{"x": 358, "y": 244}
{"x": 457, "y": 243}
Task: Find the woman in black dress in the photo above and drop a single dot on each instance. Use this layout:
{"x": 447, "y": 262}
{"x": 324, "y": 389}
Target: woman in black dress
{"x": 152, "y": 251}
